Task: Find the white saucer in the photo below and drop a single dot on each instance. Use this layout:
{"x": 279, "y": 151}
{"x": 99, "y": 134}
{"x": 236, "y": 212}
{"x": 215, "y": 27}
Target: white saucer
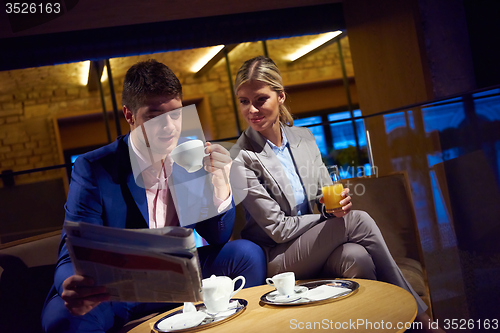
{"x": 233, "y": 307}
{"x": 298, "y": 293}
{"x": 325, "y": 291}
{"x": 181, "y": 321}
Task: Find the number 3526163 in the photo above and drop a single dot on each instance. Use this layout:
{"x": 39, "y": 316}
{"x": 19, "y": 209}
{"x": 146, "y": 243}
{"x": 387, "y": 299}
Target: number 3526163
{"x": 32, "y": 8}
{"x": 470, "y": 324}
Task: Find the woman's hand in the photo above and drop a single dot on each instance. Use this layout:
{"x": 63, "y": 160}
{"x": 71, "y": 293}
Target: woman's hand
{"x": 80, "y": 295}
{"x": 345, "y": 203}
{"x": 218, "y": 163}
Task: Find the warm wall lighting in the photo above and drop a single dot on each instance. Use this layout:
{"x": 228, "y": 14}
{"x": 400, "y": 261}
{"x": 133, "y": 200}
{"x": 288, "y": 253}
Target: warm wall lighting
{"x": 322, "y": 39}
{"x": 104, "y": 75}
{"x": 206, "y": 58}
{"x": 84, "y": 72}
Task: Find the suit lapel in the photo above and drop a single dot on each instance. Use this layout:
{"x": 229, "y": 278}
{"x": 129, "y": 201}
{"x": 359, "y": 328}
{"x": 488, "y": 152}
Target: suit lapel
{"x": 303, "y": 163}
{"x": 138, "y": 193}
{"x": 272, "y": 165}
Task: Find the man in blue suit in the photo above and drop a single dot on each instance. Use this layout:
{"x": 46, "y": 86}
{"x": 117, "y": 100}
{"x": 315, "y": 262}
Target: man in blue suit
{"x": 123, "y": 185}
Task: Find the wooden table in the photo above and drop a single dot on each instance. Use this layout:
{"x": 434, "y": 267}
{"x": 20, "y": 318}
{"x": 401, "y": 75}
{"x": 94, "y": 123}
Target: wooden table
{"x": 379, "y": 304}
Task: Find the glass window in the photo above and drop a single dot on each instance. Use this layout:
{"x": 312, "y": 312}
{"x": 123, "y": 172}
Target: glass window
{"x": 342, "y": 133}
{"x": 307, "y": 121}
{"x": 488, "y": 107}
{"x": 398, "y": 120}
{"x": 340, "y": 144}
{"x": 317, "y": 131}
{"x": 440, "y": 117}
{"x": 360, "y": 129}
{"x": 486, "y": 93}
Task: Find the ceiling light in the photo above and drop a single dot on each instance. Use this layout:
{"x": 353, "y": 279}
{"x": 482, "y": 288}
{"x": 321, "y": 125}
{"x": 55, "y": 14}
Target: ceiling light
{"x": 84, "y": 72}
{"x": 206, "y": 58}
{"x": 320, "y": 40}
{"x": 104, "y": 75}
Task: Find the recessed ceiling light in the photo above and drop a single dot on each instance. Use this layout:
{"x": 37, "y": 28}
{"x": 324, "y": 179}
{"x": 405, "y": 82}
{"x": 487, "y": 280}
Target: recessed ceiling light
{"x": 206, "y": 58}
{"x": 104, "y": 75}
{"x": 315, "y": 43}
{"x": 84, "y": 72}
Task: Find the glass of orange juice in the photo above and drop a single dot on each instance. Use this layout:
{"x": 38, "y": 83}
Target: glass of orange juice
{"x": 332, "y": 194}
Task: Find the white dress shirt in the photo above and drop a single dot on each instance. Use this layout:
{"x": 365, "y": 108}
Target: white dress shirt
{"x": 161, "y": 207}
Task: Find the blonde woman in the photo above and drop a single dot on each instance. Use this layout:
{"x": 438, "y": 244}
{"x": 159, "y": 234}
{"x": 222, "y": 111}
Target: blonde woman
{"x": 277, "y": 173}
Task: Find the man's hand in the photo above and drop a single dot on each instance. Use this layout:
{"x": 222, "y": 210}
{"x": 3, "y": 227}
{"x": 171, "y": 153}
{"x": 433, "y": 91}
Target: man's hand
{"x": 80, "y": 295}
{"x": 345, "y": 203}
{"x": 218, "y": 163}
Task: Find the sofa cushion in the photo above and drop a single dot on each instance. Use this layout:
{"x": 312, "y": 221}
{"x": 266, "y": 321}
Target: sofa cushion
{"x": 26, "y": 275}
{"x": 22, "y": 293}
{"x": 413, "y": 273}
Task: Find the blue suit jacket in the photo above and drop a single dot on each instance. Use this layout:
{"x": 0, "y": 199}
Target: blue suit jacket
{"x": 103, "y": 191}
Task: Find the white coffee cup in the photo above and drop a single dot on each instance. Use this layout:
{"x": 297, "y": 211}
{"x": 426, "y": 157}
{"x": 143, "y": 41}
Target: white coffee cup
{"x": 189, "y": 155}
{"x": 218, "y": 290}
{"x": 284, "y": 283}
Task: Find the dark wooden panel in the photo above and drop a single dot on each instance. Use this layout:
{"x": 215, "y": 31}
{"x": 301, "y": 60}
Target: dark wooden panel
{"x": 31, "y": 209}
{"x": 146, "y": 38}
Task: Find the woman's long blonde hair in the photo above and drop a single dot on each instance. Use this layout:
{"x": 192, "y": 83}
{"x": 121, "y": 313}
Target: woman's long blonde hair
{"x": 264, "y": 70}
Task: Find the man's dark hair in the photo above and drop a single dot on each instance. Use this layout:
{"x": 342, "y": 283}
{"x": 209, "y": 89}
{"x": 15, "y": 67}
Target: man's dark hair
{"x": 147, "y": 79}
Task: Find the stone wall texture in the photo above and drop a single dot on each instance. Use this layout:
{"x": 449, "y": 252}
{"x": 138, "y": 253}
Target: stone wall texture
{"x": 30, "y": 99}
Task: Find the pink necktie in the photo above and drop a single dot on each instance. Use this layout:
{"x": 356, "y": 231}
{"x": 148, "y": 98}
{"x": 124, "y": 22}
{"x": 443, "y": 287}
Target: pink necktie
{"x": 164, "y": 194}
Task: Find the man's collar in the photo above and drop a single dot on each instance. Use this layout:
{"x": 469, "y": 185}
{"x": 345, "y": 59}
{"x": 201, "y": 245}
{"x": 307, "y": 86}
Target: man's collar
{"x": 141, "y": 165}
{"x": 142, "y": 162}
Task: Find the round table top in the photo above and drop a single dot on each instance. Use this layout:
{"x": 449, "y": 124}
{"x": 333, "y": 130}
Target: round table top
{"x": 375, "y": 306}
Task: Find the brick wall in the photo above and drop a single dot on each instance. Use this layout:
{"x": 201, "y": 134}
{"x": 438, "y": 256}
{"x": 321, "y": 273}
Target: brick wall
{"x": 31, "y": 98}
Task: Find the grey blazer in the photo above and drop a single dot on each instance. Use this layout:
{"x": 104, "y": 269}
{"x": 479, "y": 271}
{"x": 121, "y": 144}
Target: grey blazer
{"x": 260, "y": 183}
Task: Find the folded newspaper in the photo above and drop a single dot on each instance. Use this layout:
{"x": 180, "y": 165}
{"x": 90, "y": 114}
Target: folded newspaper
{"x": 137, "y": 265}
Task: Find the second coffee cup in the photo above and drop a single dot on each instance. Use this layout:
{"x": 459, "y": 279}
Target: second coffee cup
{"x": 284, "y": 283}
